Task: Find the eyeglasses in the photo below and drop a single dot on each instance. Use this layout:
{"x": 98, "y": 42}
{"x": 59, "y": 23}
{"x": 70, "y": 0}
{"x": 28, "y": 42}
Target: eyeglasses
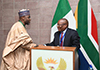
{"x": 61, "y": 24}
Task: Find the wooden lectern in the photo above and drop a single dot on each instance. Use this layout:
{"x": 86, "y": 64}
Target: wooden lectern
{"x": 53, "y": 58}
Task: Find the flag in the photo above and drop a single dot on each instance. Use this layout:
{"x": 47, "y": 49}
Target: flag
{"x": 63, "y": 10}
{"x": 87, "y": 30}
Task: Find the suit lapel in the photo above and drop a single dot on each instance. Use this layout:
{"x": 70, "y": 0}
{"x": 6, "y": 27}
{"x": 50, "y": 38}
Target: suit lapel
{"x": 66, "y": 35}
{"x": 57, "y": 39}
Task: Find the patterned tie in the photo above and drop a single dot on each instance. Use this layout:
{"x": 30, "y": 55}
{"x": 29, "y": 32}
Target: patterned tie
{"x": 61, "y": 40}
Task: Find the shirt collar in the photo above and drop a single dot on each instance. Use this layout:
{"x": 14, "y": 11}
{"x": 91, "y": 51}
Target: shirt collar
{"x": 64, "y": 31}
{"x": 21, "y": 23}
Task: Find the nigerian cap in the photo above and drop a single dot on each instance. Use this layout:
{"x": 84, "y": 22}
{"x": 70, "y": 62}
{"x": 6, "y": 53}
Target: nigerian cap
{"x": 23, "y": 12}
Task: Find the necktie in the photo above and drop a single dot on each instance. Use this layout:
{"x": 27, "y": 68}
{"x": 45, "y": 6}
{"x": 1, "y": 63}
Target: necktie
{"x": 61, "y": 39}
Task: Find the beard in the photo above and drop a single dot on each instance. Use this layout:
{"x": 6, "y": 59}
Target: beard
{"x": 27, "y": 22}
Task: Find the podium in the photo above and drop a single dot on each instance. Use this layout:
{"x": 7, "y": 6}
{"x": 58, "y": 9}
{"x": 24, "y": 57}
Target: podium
{"x": 53, "y": 58}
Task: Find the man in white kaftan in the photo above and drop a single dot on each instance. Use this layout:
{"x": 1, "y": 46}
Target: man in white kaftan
{"x": 16, "y": 54}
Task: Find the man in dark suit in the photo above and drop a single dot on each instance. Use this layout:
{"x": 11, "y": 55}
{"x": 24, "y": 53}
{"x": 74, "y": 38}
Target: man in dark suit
{"x": 65, "y": 36}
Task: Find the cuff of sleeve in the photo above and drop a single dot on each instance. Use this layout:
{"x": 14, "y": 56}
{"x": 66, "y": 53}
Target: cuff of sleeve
{"x": 44, "y": 44}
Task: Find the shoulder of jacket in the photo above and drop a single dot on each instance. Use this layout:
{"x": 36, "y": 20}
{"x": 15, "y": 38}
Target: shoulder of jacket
{"x": 71, "y": 29}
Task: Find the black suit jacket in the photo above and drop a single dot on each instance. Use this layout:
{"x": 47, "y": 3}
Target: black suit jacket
{"x": 71, "y": 39}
